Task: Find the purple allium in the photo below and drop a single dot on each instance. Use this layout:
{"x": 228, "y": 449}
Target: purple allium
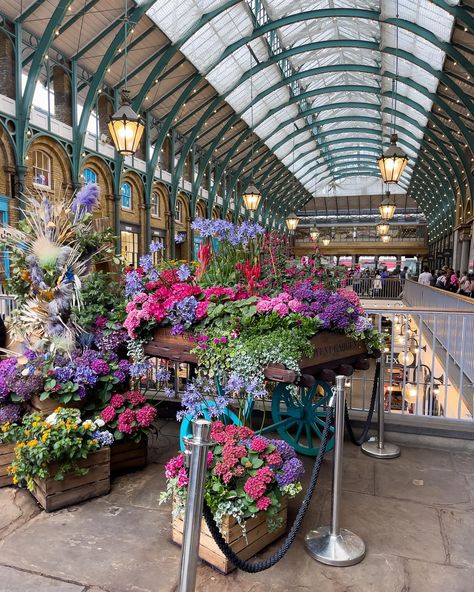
{"x": 179, "y": 238}
{"x": 139, "y": 369}
{"x": 162, "y": 375}
{"x": 146, "y": 263}
{"x": 291, "y": 472}
{"x": 133, "y": 283}
{"x": 183, "y": 273}
{"x": 156, "y": 247}
{"x": 169, "y": 393}
{"x": 9, "y": 413}
{"x": 87, "y": 198}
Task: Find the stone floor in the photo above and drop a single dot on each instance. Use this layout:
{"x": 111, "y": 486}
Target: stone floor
{"x": 415, "y": 513}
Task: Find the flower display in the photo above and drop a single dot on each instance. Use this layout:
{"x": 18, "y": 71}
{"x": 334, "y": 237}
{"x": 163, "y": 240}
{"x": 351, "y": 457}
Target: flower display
{"x": 61, "y": 438}
{"x": 129, "y": 415}
{"x": 247, "y": 475}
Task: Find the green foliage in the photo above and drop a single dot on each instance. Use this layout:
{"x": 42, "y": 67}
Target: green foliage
{"x": 102, "y": 295}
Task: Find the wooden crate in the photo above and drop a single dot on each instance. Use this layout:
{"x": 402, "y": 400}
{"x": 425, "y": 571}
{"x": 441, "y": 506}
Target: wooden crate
{"x": 7, "y": 454}
{"x": 47, "y": 406}
{"x": 53, "y": 495}
{"x": 128, "y": 456}
{"x": 258, "y": 537}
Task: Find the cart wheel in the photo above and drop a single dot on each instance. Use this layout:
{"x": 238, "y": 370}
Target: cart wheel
{"x": 227, "y": 417}
{"x": 299, "y": 419}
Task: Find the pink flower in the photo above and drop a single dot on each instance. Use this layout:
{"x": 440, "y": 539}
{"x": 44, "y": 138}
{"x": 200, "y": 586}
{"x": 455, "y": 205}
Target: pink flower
{"x": 117, "y": 401}
{"x": 146, "y": 416}
{"x": 108, "y": 414}
{"x": 281, "y": 309}
{"x": 201, "y": 309}
{"x": 127, "y": 422}
{"x": 135, "y": 398}
{"x": 259, "y": 444}
{"x": 264, "y": 306}
{"x": 296, "y": 306}
{"x": 182, "y": 478}
{"x": 210, "y": 459}
{"x": 284, "y": 297}
{"x": 263, "y": 503}
{"x": 274, "y": 458}
{"x": 173, "y": 465}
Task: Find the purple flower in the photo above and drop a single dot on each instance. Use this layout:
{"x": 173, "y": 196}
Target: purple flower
{"x": 124, "y": 365}
{"x": 183, "y": 272}
{"x": 85, "y": 375}
{"x": 162, "y": 375}
{"x": 104, "y": 438}
{"x": 291, "y": 472}
{"x": 146, "y": 263}
{"x": 87, "y": 198}
{"x": 10, "y": 413}
{"x": 285, "y": 450}
{"x": 100, "y": 367}
{"x": 120, "y": 376}
{"x": 156, "y": 247}
{"x": 64, "y": 374}
{"x": 133, "y": 283}
{"x": 179, "y": 238}
{"x": 169, "y": 393}
{"x": 139, "y": 369}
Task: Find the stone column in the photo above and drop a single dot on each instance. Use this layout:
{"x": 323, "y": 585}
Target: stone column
{"x": 470, "y": 264}
{"x": 466, "y": 256}
{"x": 456, "y": 251}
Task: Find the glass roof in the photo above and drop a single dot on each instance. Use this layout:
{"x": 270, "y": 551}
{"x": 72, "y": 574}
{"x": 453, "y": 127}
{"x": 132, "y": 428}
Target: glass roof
{"x": 349, "y": 86}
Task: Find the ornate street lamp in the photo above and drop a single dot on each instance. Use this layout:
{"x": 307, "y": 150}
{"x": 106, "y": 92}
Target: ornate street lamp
{"x": 314, "y": 233}
{"x": 387, "y": 207}
{"x": 386, "y": 238}
{"x": 382, "y": 228}
{"x": 251, "y": 197}
{"x": 292, "y": 222}
{"x": 326, "y": 240}
{"x": 126, "y": 127}
{"x": 393, "y": 161}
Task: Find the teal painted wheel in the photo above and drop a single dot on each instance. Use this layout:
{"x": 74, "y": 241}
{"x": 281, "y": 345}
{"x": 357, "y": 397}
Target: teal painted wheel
{"x": 299, "y": 419}
{"x": 186, "y": 429}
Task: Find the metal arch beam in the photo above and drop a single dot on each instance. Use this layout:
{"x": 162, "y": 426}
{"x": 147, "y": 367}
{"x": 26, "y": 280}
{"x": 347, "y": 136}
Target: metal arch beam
{"x": 33, "y": 7}
{"x": 134, "y": 16}
{"x": 457, "y": 11}
{"x": 79, "y": 14}
{"x": 24, "y": 103}
{"x": 154, "y": 56}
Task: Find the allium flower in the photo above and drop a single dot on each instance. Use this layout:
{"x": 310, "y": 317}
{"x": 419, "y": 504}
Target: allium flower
{"x": 117, "y": 401}
{"x": 184, "y": 272}
{"x": 108, "y": 414}
{"x": 156, "y": 247}
{"x": 146, "y": 263}
{"x": 133, "y": 283}
{"x": 169, "y": 392}
{"x": 146, "y": 416}
{"x": 162, "y": 375}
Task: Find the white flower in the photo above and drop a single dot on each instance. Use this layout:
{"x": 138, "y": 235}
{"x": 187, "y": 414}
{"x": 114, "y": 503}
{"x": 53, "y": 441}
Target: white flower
{"x": 88, "y": 424}
{"x": 100, "y": 423}
{"x": 52, "y": 419}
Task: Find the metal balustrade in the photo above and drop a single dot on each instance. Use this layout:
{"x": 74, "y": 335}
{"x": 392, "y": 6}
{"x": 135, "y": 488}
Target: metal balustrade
{"x": 376, "y": 289}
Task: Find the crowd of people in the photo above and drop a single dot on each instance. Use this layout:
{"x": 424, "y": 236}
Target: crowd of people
{"x": 448, "y": 279}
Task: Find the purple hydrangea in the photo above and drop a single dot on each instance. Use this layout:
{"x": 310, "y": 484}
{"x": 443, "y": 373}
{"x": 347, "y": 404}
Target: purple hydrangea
{"x": 64, "y": 374}
{"x": 120, "y": 376}
{"x": 285, "y": 450}
{"x": 100, "y": 367}
{"x": 9, "y": 413}
{"x": 104, "y": 438}
{"x": 85, "y": 375}
{"x": 291, "y": 472}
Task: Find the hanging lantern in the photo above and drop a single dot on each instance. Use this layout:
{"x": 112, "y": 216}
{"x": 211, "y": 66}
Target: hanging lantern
{"x": 251, "y": 197}
{"x": 382, "y": 228}
{"x": 387, "y": 208}
{"x": 292, "y": 222}
{"x": 326, "y": 240}
{"x": 386, "y": 238}
{"x": 393, "y": 161}
{"x": 126, "y": 127}
{"x": 314, "y": 233}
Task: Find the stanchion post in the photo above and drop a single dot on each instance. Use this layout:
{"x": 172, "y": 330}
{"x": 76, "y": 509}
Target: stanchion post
{"x": 193, "y": 514}
{"x": 378, "y": 448}
{"x": 332, "y": 544}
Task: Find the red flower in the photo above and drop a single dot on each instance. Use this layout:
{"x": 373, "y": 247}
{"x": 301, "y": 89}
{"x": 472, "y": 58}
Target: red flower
{"x": 108, "y": 414}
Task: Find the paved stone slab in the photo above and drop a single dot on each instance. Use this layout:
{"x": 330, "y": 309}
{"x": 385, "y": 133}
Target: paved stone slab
{"x": 358, "y": 475}
{"x": 140, "y": 488}
{"x": 431, "y": 577}
{"x": 424, "y": 485}
{"x": 420, "y": 458}
{"x": 119, "y": 549}
{"x": 392, "y": 527}
{"x": 13, "y": 580}
{"x": 463, "y": 462}
{"x": 458, "y": 528}
{"x": 16, "y": 507}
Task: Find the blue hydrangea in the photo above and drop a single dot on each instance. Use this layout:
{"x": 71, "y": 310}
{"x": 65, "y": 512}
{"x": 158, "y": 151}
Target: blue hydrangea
{"x": 104, "y": 438}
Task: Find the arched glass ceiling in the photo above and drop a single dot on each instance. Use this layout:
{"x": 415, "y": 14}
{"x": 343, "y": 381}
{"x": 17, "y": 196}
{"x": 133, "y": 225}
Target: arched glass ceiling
{"x": 352, "y": 52}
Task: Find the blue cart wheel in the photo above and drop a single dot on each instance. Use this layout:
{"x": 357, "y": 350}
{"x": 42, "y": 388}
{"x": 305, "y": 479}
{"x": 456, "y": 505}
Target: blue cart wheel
{"x": 299, "y": 419}
{"x": 226, "y": 417}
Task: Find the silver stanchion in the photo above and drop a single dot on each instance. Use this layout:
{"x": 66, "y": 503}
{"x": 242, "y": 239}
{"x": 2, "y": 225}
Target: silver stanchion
{"x": 332, "y": 544}
{"x": 377, "y": 447}
{"x": 198, "y": 446}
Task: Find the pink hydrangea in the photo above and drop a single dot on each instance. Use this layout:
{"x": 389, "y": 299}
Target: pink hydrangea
{"x": 264, "y": 503}
{"x": 108, "y": 414}
{"x": 264, "y": 306}
{"x": 259, "y": 444}
{"x": 281, "y": 309}
{"x": 182, "y": 478}
{"x": 296, "y": 306}
{"x": 117, "y": 401}
{"x": 146, "y": 416}
{"x": 135, "y": 398}
{"x": 127, "y": 422}
{"x": 210, "y": 459}
{"x": 274, "y": 458}
{"x": 173, "y": 465}
{"x": 201, "y": 309}
{"x": 284, "y": 297}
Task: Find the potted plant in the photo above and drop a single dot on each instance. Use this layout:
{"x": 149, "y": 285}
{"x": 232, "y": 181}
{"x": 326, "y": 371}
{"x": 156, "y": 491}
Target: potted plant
{"x": 62, "y": 459}
{"x": 130, "y": 417}
{"x": 9, "y": 429}
{"x": 250, "y": 479}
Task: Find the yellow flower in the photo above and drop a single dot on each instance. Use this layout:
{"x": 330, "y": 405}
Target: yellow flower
{"x": 45, "y": 436}
{"x": 57, "y": 410}
{"x": 35, "y": 424}
{"x": 20, "y": 444}
{"x": 15, "y": 480}
{"x": 32, "y": 443}
{"x": 13, "y": 469}
{"x": 87, "y": 425}
{"x": 38, "y": 418}
{"x": 27, "y": 432}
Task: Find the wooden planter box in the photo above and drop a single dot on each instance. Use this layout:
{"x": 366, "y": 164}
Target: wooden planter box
{"x": 47, "y": 406}
{"x": 7, "y": 454}
{"x": 128, "y": 456}
{"x": 258, "y": 537}
{"x": 53, "y": 495}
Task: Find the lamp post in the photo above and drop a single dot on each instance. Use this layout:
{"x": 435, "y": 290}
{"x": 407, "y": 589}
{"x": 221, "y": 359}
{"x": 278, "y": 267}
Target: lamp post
{"x": 292, "y": 222}
{"x": 126, "y": 127}
{"x": 393, "y": 161}
{"x": 387, "y": 208}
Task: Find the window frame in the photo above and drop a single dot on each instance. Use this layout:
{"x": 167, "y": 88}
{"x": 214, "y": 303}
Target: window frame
{"x": 49, "y": 170}
{"x": 90, "y": 172}
{"x": 128, "y": 208}
{"x": 155, "y": 205}
{"x": 178, "y": 212}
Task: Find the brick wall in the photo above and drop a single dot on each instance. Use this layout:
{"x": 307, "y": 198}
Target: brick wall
{"x": 7, "y": 64}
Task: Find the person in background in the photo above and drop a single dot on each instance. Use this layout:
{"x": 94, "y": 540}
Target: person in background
{"x": 443, "y": 280}
{"x": 464, "y": 284}
{"x": 471, "y": 285}
{"x": 403, "y": 275}
{"x": 434, "y": 277}
{"x": 453, "y": 280}
{"x": 425, "y": 277}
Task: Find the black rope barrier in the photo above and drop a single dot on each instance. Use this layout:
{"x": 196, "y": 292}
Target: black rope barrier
{"x": 258, "y": 566}
{"x": 363, "y": 437}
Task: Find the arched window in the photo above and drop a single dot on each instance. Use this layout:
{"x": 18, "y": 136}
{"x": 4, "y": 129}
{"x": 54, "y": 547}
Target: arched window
{"x": 155, "y": 205}
{"x": 89, "y": 176}
{"x": 179, "y": 211}
{"x": 126, "y": 195}
{"x": 42, "y": 169}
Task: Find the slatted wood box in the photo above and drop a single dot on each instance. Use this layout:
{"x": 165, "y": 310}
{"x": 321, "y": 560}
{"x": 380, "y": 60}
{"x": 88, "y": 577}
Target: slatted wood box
{"x": 48, "y": 406}
{"x": 53, "y": 495}
{"x": 128, "y": 456}
{"x": 7, "y": 454}
{"x": 258, "y": 537}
